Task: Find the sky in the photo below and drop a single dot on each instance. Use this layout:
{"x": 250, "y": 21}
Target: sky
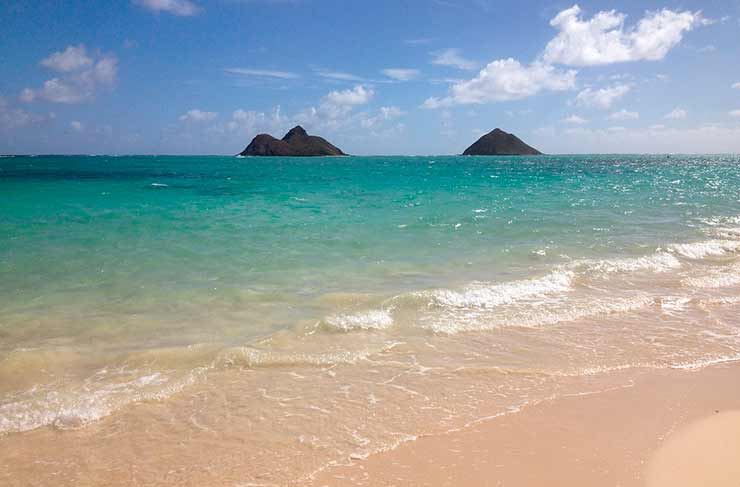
{"x": 401, "y": 77}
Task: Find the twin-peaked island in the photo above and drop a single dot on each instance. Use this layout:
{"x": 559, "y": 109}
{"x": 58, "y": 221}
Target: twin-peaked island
{"x": 298, "y": 143}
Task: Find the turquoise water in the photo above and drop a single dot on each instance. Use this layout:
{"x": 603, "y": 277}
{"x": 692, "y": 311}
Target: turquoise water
{"x": 101, "y": 237}
{"x": 130, "y": 281}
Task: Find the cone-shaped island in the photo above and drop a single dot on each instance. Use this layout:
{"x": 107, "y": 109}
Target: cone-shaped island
{"x": 500, "y": 143}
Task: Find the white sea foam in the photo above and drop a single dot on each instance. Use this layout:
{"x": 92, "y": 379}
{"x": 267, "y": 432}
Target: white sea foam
{"x": 726, "y": 232}
{"x": 699, "y": 364}
{"x": 707, "y": 248}
{"x": 487, "y": 295}
{"x": 717, "y": 278}
{"x": 365, "y": 320}
{"x": 92, "y": 401}
{"x": 541, "y": 314}
{"x": 254, "y": 357}
{"x": 658, "y": 262}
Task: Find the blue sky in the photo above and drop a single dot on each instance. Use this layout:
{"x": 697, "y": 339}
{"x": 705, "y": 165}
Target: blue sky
{"x": 381, "y": 77}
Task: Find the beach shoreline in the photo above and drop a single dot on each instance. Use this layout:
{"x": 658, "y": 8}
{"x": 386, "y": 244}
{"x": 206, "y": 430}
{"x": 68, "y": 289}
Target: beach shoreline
{"x": 625, "y": 435}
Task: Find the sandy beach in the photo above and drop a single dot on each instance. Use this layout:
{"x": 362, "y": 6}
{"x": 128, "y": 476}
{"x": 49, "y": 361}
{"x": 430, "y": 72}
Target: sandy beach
{"x": 662, "y": 428}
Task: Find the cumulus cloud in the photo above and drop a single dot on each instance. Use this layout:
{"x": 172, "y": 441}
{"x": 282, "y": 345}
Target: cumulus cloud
{"x": 384, "y": 114}
{"x": 82, "y": 76}
{"x": 401, "y": 74}
{"x": 575, "y": 119}
{"x": 505, "y": 79}
{"x": 603, "y": 39}
{"x": 335, "y": 109}
{"x": 359, "y": 95}
{"x": 183, "y": 8}
{"x": 71, "y": 59}
{"x": 677, "y": 114}
{"x": 624, "y": 115}
{"x": 249, "y": 122}
{"x": 452, "y": 57}
{"x": 196, "y": 115}
{"x": 601, "y": 98}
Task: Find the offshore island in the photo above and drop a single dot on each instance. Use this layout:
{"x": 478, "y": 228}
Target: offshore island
{"x": 297, "y": 143}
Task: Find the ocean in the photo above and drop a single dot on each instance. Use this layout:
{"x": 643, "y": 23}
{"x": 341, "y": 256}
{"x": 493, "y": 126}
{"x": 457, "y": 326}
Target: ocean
{"x": 268, "y": 317}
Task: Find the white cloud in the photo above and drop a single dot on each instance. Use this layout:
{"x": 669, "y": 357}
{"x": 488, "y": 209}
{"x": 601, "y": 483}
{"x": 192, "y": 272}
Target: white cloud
{"x": 71, "y": 59}
{"x": 505, "y": 79}
{"x": 677, "y": 114}
{"x": 657, "y": 126}
{"x": 736, "y": 86}
{"x": 401, "y": 74}
{"x": 335, "y": 109}
{"x": 391, "y": 112}
{"x": 337, "y": 75}
{"x": 384, "y": 114}
{"x": 76, "y": 125}
{"x": 246, "y": 123}
{"x": 418, "y": 41}
{"x": 196, "y": 115}
{"x": 603, "y": 97}
{"x": 11, "y": 118}
{"x": 624, "y": 115}
{"x": 654, "y": 139}
{"x": 83, "y": 77}
{"x": 603, "y": 39}
{"x": 56, "y": 91}
{"x": 359, "y": 95}
{"x": 575, "y": 119}
{"x": 262, "y": 73}
{"x": 734, "y": 113}
{"x": 452, "y": 57}
{"x": 182, "y": 8}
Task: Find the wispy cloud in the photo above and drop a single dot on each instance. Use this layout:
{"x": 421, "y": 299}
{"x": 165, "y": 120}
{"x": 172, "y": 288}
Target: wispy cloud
{"x": 13, "y": 118}
{"x": 183, "y": 8}
{"x": 262, "y": 73}
{"x": 575, "y": 119}
{"x": 337, "y": 75}
{"x": 401, "y": 74}
{"x": 676, "y": 114}
{"x": 603, "y": 97}
{"x": 452, "y": 57}
{"x": 419, "y": 41}
{"x": 624, "y": 115}
{"x": 196, "y": 115}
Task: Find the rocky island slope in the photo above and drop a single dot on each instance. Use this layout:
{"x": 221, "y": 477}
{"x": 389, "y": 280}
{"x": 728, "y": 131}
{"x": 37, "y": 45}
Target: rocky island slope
{"x": 500, "y": 143}
{"x": 295, "y": 143}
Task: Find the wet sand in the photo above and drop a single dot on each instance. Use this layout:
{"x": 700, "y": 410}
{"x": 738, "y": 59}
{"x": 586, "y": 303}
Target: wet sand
{"x": 661, "y": 428}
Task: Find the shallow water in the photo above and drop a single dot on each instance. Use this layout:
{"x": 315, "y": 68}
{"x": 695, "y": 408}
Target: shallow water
{"x": 283, "y": 314}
